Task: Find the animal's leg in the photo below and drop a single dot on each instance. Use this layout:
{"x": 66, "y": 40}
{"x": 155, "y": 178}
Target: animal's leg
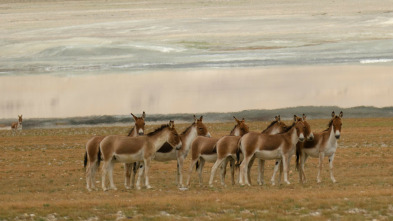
{"x": 233, "y": 167}
{"x": 331, "y": 158}
{"x": 285, "y": 159}
{"x": 147, "y": 167}
{"x": 261, "y": 171}
{"x": 88, "y": 176}
{"x": 193, "y": 162}
{"x": 223, "y": 168}
{"x": 180, "y": 162}
{"x": 276, "y": 168}
{"x": 103, "y": 176}
{"x": 93, "y": 171}
{"x": 140, "y": 174}
{"x": 214, "y": 169}
{"x": 321, "y": 156}
{"x": 305, "y": 156}
{"x": 110, "y": 174}
{"x": 128, "y": 167}
{"x": 201, "y": 164}
{"x": 249, "y": 169}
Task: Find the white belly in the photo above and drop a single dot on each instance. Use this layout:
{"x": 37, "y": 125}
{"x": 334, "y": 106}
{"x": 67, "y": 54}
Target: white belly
{"x": 312, "y": 152}
{"x": 210, "y": 158}
{"x": 162, "y": 157}
{"x": 128, "y": 158}
{"x": 268, "y": 154}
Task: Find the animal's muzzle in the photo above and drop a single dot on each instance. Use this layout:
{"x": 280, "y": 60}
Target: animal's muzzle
{"x": 178, "y": 147}
{"x": 140, "y": 133}
{"x": 337, "y": 136}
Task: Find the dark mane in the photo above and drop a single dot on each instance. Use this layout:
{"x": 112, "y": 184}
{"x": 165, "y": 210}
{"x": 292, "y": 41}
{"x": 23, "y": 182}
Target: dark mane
{"x": 233, "y": 129}
{"x": 288, "y": 128}
{"x": 271, "y": 124}
{"x": 330, "y": 124}
{"x": 132, "y": 129}
{"x": 187, "y": 129}
{"x": 158, "y": 130}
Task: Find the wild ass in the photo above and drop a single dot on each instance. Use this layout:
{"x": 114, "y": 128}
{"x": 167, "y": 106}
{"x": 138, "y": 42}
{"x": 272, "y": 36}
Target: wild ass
{"x": 17, "y": 125}
{"x": 267, "y": 147}
{"x": 203, "y": 149}
{"x": 226, "y": 148}
{"x": 121, "y": 149}
{"x": 324, "y": 144}
{"x": 93, "y": 147}
{"x": 278, "y": 164}
{"x": 167, "y": 152}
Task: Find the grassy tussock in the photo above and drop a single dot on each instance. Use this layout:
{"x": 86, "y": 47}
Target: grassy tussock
{"x": 42, "y": 176}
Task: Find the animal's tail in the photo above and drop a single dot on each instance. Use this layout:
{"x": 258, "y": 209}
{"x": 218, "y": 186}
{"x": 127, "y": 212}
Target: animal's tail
{"x": 197, "y": 165}
{"x": 85, "y": 162}
{"x": 99, "y": 157}
{"x": 214, "y": 148}
{"x": 237, "y": 164}
{"x": 297, "y": 158}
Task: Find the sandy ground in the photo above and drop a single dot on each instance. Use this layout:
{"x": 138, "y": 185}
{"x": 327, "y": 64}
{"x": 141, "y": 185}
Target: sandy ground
{"x": 57, "y": 59}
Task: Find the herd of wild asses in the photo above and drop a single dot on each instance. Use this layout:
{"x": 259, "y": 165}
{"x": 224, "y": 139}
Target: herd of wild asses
{"x": 240, "y": 148}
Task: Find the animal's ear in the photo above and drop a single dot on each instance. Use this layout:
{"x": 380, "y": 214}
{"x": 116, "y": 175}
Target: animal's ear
{"x": 341, "y": 114}
{"x": 237, "y": 121}
{"x": 333, "y": 114}
{"x": 243, "y": 119}
{"x": 276, "y": 118}
{"x": 195, "y": 119}
{"x": 294, "y": 118}
{"x": 201, "y": 118}
{"x": 143, "y": 115}
{"x": 304, "y": 117}
{"x": 134, "y": 116}
{"x": 171, "y": 124}
{"x": 279, "y": 118}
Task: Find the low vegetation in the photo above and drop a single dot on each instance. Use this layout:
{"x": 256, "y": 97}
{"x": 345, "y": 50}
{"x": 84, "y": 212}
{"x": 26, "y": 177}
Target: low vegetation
{"x": 42, "y": 178}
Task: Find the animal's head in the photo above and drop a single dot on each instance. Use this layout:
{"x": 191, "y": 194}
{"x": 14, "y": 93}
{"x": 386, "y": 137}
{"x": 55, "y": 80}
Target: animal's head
{"x": 300, "y": 127}
{"x": 174, "y": 138}
{"x": 20, "y": 119}
{"x": 139, "y": 123}
{"x": 309, "y": 134}
{"x": 240, "y": 128}
{"x": 200, "y": 127}
{"x": 276, "y": 126}
{"x": 336, "y": 123}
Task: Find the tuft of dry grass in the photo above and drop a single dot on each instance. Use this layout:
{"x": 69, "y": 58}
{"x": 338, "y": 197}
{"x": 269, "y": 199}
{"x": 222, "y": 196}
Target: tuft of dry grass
{"x": 42, "y": 177}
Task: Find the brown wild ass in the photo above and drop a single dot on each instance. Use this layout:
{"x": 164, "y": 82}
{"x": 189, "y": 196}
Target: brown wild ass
{"x": 275, "y": 127}
{"x": 203, "y": 149}
{"x": 226, "y": 148}
{"x": 167, "y": 152}
{"x": 278, "y": 164}
{"x": 17, "y": 125}
{"x": 121, "y": 149}
{"x": 268, "y": 147}
{"x": 324, "y": 144}
{"x": 93, "y": 147}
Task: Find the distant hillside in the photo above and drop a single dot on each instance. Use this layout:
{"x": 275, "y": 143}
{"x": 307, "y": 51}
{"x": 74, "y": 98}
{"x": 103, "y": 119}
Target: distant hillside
{"x": 312, "y": 112}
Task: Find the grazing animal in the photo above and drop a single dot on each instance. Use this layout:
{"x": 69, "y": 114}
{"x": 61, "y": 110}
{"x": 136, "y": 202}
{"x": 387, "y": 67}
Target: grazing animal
{"x": 17, "y": 125}
{"x": 122, "y": 149}
{"x": 324, "y": 144}
{"x": 168, "y": 153}
{"x": 204, "y": 149}
{"x": 226, "y": 148}
{"x": 268, "y": 147}
{"x": 93, "y": 147}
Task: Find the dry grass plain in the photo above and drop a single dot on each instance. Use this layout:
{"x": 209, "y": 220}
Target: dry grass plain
{"x": 42, "y": 178}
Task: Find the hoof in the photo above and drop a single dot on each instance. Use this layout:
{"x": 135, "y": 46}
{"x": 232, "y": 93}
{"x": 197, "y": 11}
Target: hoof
{"x": 149, "y": 187}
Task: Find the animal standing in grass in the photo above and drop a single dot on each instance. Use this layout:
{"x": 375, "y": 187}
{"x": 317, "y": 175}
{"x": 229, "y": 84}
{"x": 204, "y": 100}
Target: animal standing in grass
{"x": 324, "y": 144}
{"x": 204, "y": 149}
{"x": 122, "y": 149}
{"x": 226, "y": 148}
{"x": 268, "y": 147}
{"x": 278, "y": 164}
{"x": 93, "y": 147}
{"x": 17, "y": 125}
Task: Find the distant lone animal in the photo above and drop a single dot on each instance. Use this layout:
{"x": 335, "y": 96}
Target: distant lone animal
{"x": 17, "y": 125}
